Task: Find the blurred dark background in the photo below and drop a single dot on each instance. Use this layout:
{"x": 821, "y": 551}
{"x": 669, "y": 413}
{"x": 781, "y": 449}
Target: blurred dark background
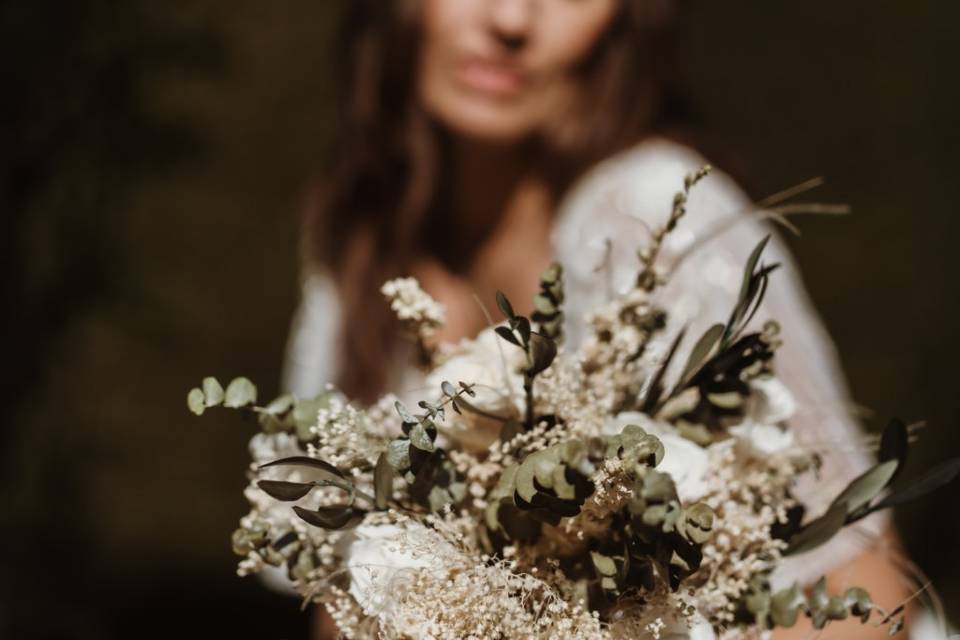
{"x": 151, "y": 156}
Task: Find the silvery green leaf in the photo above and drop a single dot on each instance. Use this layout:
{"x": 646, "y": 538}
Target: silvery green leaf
{"x": 819, "y": 531}
{"x": 604, "y": 564}
{"x": 865, "y": 487}
{"x": 285, "y": 491}
{"x": 382, "y": 481}
{"x": 543, "y": 304}
{"x": 280, "y": 406}
{"x": 448, "y": 389}
{"x": 785, "y": 605}
{"x": 420, "y": 438}
{"x": 524, "y": 479}
{"x": 196, "y": 401}
{"x": 240, "y": 392}
{"x": 212, "y": 391}
{"x": 438, "y": 498}
{"x": 398, "y": 454}
{"x": 405, "y": 415}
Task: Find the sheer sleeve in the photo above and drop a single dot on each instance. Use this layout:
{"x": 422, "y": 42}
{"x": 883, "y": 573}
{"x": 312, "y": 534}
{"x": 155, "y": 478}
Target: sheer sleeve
{"x": 312, "y": 355}
{"x": 606, "y": 219}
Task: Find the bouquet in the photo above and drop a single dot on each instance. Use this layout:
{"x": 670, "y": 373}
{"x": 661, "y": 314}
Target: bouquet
{"x": 539, "y": 491}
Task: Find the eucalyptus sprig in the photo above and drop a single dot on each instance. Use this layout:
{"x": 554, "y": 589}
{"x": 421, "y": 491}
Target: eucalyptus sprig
{"x": 539, "y": 349}
{"x": 548, "y": 303}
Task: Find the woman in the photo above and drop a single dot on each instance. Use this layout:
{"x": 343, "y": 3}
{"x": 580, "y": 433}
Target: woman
{"x": 483, "y": 138}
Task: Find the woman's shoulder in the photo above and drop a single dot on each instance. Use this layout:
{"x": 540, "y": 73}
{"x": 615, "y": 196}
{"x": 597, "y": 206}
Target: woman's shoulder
{"x": 640, "y": 182}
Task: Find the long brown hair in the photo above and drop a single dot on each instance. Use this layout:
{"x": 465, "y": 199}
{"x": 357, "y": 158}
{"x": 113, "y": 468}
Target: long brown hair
{"x": 368, "y": 218}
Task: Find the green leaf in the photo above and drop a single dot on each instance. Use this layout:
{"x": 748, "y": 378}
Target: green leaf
{"x": 286, "y": 491}
{"x": 212, "y": 391}
{"x": 819, "y": 531}
{"x": 196, "y": 401}
{"x": 543, "y": 304}
{"x": 306, "y": 461}
{"x": 280, "y": 406}
{"x": 448, "y": 389}
{"x": 326, "y": 517}
{"x": 524, "y": 479}
{"x": 701, "y": 350}
{"x": 405, "y": 415}
{"x": 865, "y": 487}
{"x": 421, "y": 439}
{"x": 508, "y": 335}
{"x": 604, "y": 564}
{"x": 523, "y": 328}
{"x": 655, "y": 388}
{"x": 785, "y": 605}
{"x": 382, "y": 481}
{"x": 543, "y": 350}
{"x": 240, "y": 392}
{"x": 505, "y": 307}
{"x": 929, "y": 481}
{"x": 894, "y": 445}
{"x": 398, "y": 454}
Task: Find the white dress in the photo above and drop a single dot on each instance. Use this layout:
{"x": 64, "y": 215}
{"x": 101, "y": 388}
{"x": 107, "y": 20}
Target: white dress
{"x": 602, "y": 221}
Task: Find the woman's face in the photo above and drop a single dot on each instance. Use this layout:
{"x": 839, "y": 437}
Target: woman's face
{"x": 499, "y": 70}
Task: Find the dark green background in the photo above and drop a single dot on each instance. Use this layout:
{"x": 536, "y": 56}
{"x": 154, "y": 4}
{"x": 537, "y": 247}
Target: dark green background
{"x": 150, "y": 159}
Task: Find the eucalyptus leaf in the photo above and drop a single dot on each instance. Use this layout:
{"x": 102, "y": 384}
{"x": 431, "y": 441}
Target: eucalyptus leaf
{"x": 894, "y": 445}
{"x": 448, "y": 389}
{"x": 604, "y": 565}
{"x": 865, "y": 487}
{"x": 285, "y": 491}
{"x": 326, "y": 517}
{"x": 212, "y": 391}
{"x": 543, "y": 350}
{"x": 382, "y": 481}
{"x": 306, "y": 461}
{"x": 240, "y": 392}
{"x": 505, "y": 307}
{"x": 398, "y": 454}
{"x": 930, "y": 481}
{"x": 523, "y": 328}
{"x": 405, "y": 415}
{"x": 701, "y": 350}
{"x": 819, "y": 531}
{"x": 655, "y": 388}
{"x": 543, "y": 304}
{"x": 508, "y": 335}
{"x": 196, "y": 401}
{"x": 420, "y": 438}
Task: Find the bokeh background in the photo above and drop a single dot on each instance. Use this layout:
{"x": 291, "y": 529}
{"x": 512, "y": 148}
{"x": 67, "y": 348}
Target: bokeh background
{"x": 151, "y": 157}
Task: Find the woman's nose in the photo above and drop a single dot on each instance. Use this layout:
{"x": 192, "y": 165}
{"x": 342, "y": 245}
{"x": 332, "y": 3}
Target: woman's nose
{"x": 511, "y": 20}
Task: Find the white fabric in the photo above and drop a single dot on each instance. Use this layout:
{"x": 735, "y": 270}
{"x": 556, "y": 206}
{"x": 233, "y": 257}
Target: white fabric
{"x": 614, "y": 203}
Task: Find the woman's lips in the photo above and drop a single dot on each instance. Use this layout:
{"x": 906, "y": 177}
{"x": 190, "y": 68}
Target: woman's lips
{"x": 491, "y": 77}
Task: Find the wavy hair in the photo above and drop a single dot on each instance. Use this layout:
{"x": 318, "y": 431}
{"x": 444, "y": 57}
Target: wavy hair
{"x": 369, "y": 218}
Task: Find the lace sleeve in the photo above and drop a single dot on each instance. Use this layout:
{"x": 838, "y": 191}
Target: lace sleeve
{"x": 312, "y": 357}
{"x": 607, "y": 218}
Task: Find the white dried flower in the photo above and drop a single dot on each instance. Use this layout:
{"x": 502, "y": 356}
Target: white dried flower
{"x": 417, "y": 311}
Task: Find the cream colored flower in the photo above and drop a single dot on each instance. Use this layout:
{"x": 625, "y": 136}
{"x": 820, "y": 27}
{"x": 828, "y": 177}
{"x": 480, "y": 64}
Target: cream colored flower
{"x": 494, "y": 367}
